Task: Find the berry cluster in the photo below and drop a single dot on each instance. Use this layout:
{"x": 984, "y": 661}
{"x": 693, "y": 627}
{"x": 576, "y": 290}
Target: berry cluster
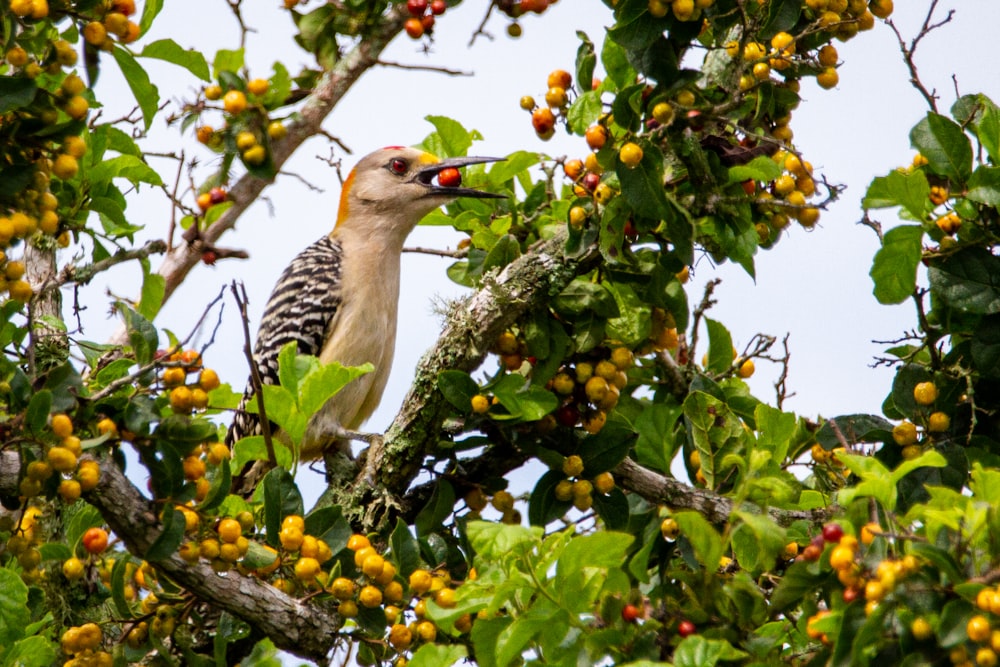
{"x": 247, "y": 130}
{"x": 907, "y": 436}
{"x": 422, "y": 16}
{"x": 577, "y": 489}
{"x": 186, "y": 396}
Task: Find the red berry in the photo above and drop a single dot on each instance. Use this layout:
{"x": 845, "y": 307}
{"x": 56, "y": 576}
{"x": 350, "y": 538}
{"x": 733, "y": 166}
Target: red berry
{"x": 749, "y": 186}
{"x": 427, "y": 22}
{"x": 631, "y": 233}
{"x": 630, "y": 613}
{"x": 217, "y": 195}
{"x": 568, "y": 415}
{"x": 416, "y": 7}
{"x": 832, "y": 532}
{"x": 209, "y": 257}
{"x": 851, "y": 594}
{"x": 438, "y": 7}
{"x": 449, "y": 178}
{"x": 591, "y": 181}
{"x": 686, "y": 628}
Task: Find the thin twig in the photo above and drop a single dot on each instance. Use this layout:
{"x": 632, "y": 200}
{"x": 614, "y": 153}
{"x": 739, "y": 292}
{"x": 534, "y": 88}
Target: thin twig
{"x": 423, "y": 68}
{"x": 265, "y": 426}
{"x": 456, "y": 254}
{"x": 706, "y": 303}
{"x": 929, "y": 95}
{"x": 84, "y": 274}
{"x": 158, "y": 361}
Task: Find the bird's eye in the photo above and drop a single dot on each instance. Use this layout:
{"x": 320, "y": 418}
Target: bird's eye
{"x": 398, "y": 166}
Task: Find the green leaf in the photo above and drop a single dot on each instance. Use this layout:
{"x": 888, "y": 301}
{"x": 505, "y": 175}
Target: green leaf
{"x": 656, "y": 445}
{"x": 514, "y": 164}
{"x": 523, "y": 400}
{"x": 584, "y": 111}
{"x": 604, "y": 550}
{"x": 586, "y": 61}
{"x": 171, "y": 537}
{"x": 145, "y": 93}
{"x": 496, "y": 540}
{"x": 154, "y": 288}
{"x": 894, "y": 269}
{"x": 458, "y": 388}
{"x": 761, "y": 168}
{"x": 150, "y": 10}
{"x": 582, "y": 295}
{"x": 435, "y": 655}
{"x": 38, "y": 410}
{"x": 325, "y": 382}
{"x": 642, "y": 185}
{"x": 539, "y": 618}
{"x": 14, "y": 614}
{"x": 16, "y": 92}
{"x": 911, "y": 191}
{"x": 697, "y": 651}
{"x": 720, "y": 347}
{"x": 799, "y": 581}
{"x": 613, "y": 509}
{"x": 34, "y": 651}
{"x": 405, "y": 549}
{"x": 438, "y": 508}
{"x": 543, "y": 506}
{"x": 330, "y": 525}
{"x": 230, "y": 629}
{"x": 118, "y": 580}
{"x": 227, "y": 60}
{"x": 988, "y": 131}
{"x": 504, "y": 251}
{"x": 281, "y": 498}
{"x": 945, "y": 145}
{"x": 125, "y": 166}
{"x": 633, "y": 325}
{"x": 168, "y": 50}
{"x": 253, "y": 448}
{"x": 968, "y": 280}
{"x": 757, "y": 542}
{"x": 776, "y": 430}
{"x": 616, "y": 64}
{"x": 984, "y": 186}
{"x": 702, "y": 536}
{"x": 451, "y": 139}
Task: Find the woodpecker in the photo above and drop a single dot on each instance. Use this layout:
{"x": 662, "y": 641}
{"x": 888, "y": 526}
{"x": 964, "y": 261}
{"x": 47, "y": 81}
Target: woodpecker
{"x": 338, "y": 298}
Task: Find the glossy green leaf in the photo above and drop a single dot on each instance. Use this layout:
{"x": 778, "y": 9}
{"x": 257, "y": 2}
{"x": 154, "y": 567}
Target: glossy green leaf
{"x": 697, "y": 651}
{"x": 656, "y": 445}
{"x": 496, "y": 540}
{"x": 894, "y": 269}
{"x": 281, "y": 498}
{"x": 458, "y": 388}
{"x": 14, "y": 615}
{"x": 702, "y": 536}
{"x": 34, "y": 651}
{"x": 438, "y": 508}
{"x": 945, "y": 145}
{"x": 405, "y": 549}
{"x": 129, "y": 167}
{"x": 584, "y": 111}
{"x": 38, "y": 410}
{"x": 523, "y": 400}
{"x": 227, "y": 60}
{"x": 984, "y": 186}
{"x": 761, "y": 168}
{"x": 434, "y": 655}
{"x": 450, "y": 139}
{"x": 720, "y": 347}
{"x": 968, "y": 280}
{"x": 16, "y": 92}
{"x": 586, "y": 60}
{"x": 169, "y": 538}
{"x": 146, "y": 94}
{"x": 170, "y": 51}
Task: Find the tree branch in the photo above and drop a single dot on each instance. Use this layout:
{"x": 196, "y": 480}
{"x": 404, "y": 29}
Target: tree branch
{"x": 661, "y": 490}
{"x": 471, "y": 328}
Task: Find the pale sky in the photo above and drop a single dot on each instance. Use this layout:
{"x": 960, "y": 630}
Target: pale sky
{"x": 813, "y": 285}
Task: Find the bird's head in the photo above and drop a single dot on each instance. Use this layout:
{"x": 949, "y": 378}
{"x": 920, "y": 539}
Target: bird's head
{"x": 394, "y": 188}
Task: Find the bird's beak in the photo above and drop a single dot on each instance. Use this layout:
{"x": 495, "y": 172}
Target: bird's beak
{"x": 426, "y": 177}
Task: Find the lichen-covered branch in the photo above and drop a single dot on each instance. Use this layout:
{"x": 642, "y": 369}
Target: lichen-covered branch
{"x": 304, "y": 628}
{"x": 677, "y": 495}
{"x": 471, "y": 328}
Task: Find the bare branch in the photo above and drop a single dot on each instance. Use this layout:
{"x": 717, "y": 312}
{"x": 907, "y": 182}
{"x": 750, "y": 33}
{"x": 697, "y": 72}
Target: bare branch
{"x": 423, "y": 68}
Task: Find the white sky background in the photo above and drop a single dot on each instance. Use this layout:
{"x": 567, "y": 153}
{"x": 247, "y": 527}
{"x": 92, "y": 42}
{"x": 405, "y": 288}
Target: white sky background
{"x": 813, "y": 285}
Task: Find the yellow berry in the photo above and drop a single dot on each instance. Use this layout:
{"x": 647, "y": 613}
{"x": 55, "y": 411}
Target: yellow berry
{"x": 925, "y": 393}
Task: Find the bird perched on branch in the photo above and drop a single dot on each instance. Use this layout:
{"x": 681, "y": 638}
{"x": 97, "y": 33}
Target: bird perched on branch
{"x": 338, "y": 298}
